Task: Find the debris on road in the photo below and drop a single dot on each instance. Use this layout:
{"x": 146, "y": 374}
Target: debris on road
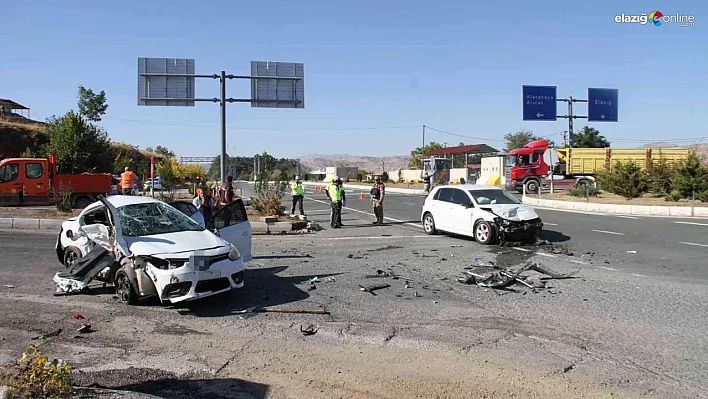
{"x": 387, "y": 247}
{"x": 370, "y": 289}
{"x": 631, "y": 252}
{"x": 85, "y": 329}
{"x": 504, "y": 279}
{"x": 47, "y": 335}
{"x": 78, "y": 316}
{"x": 272, "y": 310}
{"x": 310, "y": 330}
{"x": 8, "y": 286}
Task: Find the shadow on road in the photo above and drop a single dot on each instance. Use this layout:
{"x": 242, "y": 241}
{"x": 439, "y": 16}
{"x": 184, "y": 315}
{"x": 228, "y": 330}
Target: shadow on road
{"x": 281, "y": 256}
{"x": 263, "y": 288}
{"x": 554, "y": 236}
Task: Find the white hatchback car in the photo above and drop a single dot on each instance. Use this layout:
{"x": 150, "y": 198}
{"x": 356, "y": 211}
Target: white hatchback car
{"x": 146, "y": 247}
{"x": 487, "y": 213}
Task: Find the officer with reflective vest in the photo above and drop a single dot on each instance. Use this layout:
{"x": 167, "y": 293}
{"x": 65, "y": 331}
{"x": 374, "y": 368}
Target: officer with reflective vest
{"x": 298, "y": 194}
{"x": 337, "y": 198}
{"x": 127, "y": 182}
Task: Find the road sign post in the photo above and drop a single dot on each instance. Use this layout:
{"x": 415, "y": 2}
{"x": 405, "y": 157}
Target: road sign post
{"x": 539, "y": 104}
{"x": 603, "y": 105}
{"x": 171, "y": 82}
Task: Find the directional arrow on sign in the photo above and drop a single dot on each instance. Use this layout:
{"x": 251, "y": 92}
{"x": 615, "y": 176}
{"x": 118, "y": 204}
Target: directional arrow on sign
{"x": 602, "y": 116}
{"x": 538, "y": 115}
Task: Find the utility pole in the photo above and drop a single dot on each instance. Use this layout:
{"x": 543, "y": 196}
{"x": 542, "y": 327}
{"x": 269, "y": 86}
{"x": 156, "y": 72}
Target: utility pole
{"x": 565, "y": 139}
{"x": 255, "y": 174}
{"x": 570, "y": 116}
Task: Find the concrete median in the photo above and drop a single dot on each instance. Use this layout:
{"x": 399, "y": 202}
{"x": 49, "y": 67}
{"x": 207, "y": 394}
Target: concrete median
{"x": 620, "y": 209}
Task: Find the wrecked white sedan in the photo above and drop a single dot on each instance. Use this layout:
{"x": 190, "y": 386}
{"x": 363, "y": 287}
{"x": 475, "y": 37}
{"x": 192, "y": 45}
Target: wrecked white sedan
{"x": 488, "y": 214}
{"x": 145, "y": 248}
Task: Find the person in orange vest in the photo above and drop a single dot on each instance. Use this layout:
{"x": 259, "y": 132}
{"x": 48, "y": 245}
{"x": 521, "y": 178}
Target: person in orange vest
{"x": 127, "y": 182}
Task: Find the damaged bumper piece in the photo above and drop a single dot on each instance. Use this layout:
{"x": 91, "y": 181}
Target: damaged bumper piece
{"x": 76, "y": 279}
{"x": 518, "y": 231}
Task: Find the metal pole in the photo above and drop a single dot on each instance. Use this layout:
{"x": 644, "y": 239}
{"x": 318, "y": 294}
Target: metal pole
{"x": 254, "y": 168}
{"x": 570, "y": 122}
{"x": 223, "y": 127}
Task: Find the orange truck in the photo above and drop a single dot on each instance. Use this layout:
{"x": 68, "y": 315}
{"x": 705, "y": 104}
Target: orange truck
{"x": 34, "y": 181}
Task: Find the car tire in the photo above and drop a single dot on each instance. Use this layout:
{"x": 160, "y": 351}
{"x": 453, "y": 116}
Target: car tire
{"x": 125, "y": 291}
{"x": 532, "y": 186}
{"x": 82, "y": 202}
{"x": 71, "y": 256}
{"x": 429, "y": 224}
{"x": 484, "y": 232}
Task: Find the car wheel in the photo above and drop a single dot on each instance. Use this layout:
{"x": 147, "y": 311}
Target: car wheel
{"x": 429, "y": 224}
{"x": 82, "y": 202}
{"x": 124, "y": 287}
{"x": 484, "y": 232}
{"x": 71, "y": 256}
{"x": 532, "y": 186}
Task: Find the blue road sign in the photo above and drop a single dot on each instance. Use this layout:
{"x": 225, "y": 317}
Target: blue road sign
{"x": 603, "y": 105}
{"x": 539, "y": 103}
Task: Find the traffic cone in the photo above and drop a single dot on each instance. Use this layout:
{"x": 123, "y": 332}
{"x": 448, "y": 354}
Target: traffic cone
{"x": 362, "y": 195}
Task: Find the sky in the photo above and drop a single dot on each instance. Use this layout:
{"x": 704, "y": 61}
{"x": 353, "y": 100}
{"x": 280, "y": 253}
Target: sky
{"x": 375, "y": 71}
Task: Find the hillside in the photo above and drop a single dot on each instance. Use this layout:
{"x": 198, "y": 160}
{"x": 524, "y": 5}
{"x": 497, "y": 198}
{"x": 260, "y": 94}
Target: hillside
{"x": 701, "y": 149}
{"x": 371, "y": 164}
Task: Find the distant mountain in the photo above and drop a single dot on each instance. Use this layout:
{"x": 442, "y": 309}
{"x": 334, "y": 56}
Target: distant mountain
{"x": 659, "y": 145}
{"x": 370, "y": 164}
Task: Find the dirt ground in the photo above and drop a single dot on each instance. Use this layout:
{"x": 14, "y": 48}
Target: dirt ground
{"x": 607, "y": 198}
{"x": 35, "y": 212}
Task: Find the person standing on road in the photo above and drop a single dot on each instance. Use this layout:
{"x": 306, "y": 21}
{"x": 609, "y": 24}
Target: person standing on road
{"x": 127, "y": 182}
{"x": 378, "y": 191}
{"x": 337, "y": 198}
{"x": 426, "y": 183}
{"x": 298, "y": 195}
{"x": 226, "y": 192}
{"x": 204, "y": 202}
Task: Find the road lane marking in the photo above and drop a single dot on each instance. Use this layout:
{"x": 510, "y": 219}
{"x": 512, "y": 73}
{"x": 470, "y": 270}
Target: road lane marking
{"x": 694, "y": 244}
{"x": 377, "y": 237}
{"x": 627, "y": 217}
{"x": 608, "y": 232}
{"x": 638, "y": 275}
{"x": 522, "y": 249}
{"x": 550, "y": 224}
{"x": 580, "y": 262}
{"x": 607, "y": 268}
{"x": 693, "y": 223}
{"x": 545, "y": 254}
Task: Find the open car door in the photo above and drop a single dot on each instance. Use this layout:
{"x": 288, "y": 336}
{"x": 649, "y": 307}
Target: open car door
{"x": 117, "y": 231}
{"x": 231, "y": 224}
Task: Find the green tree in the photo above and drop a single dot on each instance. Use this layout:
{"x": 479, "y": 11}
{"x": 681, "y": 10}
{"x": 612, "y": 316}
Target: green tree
{"x": 626, "y": 179}
{"x": 92, "y": 106}
{"x": 121, "y": 160}
{"x": 690, "y": 178}
{"x": 659, "y": 175}
{"x": 521, "y": 138}
{"x": 164, "y": 151}
{"x": 420, "y": 153}
{"x": 589, "y": 137}
{"x": 78, "y": 145}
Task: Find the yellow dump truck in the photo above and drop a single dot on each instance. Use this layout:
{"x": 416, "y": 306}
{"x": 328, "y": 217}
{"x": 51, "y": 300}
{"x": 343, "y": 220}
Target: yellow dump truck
{"x": 590, "y": 161}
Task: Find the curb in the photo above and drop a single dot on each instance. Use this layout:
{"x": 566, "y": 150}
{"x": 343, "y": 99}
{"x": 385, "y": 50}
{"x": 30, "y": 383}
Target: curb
{"x": 30, "y": 223}
{"x": 638, "y": 210}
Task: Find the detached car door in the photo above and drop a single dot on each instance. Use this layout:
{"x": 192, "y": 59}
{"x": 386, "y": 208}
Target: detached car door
{"x": 231, "y": 223}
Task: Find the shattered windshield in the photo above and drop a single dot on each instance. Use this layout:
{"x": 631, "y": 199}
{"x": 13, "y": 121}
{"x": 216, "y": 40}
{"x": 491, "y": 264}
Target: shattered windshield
{"x": 493, "y": 197}
{"x": 154, "y": 218}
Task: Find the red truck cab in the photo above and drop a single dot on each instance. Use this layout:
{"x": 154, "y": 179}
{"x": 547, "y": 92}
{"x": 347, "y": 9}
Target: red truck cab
{"x": 526, "y": 166}
{"x": 34, "y": 181}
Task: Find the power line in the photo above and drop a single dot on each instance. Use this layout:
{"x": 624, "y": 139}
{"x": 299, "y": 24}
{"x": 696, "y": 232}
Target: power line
{"x": 265, "y": 128}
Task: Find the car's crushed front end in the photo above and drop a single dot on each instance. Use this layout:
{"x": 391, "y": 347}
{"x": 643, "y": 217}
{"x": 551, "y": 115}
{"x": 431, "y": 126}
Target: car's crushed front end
{"x": 515, "y": 223}
{"x": 186, "y": 276}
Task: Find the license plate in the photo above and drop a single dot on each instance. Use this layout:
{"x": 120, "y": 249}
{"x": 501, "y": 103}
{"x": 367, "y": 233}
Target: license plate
{"x": 209, "y": 275}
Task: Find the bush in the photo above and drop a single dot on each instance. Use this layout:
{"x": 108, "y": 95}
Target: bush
{"x": 625, "y": 179}
{"x": 36, "y": 376}
{"x": 267, "y": 197}
{"x": 384, "y": 177}
{"x": 589, "y": 191}
{"x": 690, "y": 178}
{"x": 659, "y": 176}
{"x": 64, "y": 198}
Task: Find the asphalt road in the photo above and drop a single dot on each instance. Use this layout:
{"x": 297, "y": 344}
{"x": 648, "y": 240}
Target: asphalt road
{"x": 664, "y": 246}
{"x": 610, "y": 325}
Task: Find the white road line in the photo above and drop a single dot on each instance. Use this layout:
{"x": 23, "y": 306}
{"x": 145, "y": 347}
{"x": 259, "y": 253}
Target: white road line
{"x": 638, "y": 275}
{"x": 607, "y": 268}
{"x": 626, "y": 217}
{"x": 608, "y": 232}
{"x": 693, "y": 223}
{"x": 522, "y": 249}
{"x": 580, "y": 262}
{"x": 545, "y": 254}
{"x": 376, "y": 237}
{"x": 371, "y": 214}
{"x": 550, "y": 224}
{"x": 694, "y": 244}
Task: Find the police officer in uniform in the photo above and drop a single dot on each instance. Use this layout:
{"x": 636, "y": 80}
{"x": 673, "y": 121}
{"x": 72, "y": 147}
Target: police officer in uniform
{"x": 298, "y": 195}
{"x": 378, "y": 191}
{"x": 335, "y": 193}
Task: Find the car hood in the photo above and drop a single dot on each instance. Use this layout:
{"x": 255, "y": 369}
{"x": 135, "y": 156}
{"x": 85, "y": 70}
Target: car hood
{"x": 514, "y": 212}
{"x": 172, "y": 243}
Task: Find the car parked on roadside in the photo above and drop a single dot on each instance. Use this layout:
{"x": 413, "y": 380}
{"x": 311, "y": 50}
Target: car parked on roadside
{"x": 488, "y": 214}
{"x": 147, "y": 248}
